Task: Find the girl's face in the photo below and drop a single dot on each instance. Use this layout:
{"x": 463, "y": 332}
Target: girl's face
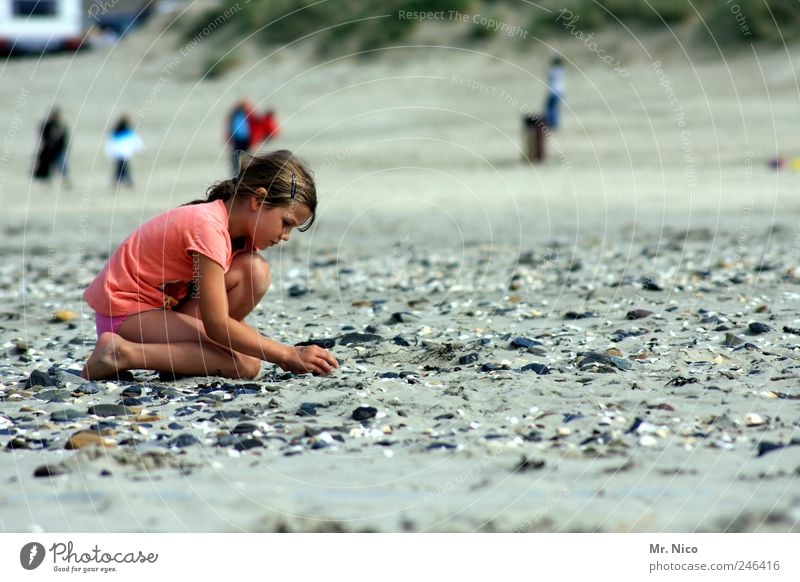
{"x": 271, "y": 225}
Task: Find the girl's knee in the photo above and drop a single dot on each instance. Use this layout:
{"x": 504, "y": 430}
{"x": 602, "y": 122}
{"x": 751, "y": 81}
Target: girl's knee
{"x": 254, "y": 270}
{"x": 248, "y": 367}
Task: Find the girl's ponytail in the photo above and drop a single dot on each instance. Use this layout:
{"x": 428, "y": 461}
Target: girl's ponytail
{"x": 276, "y": 178}
{"x": 224, "y": 191}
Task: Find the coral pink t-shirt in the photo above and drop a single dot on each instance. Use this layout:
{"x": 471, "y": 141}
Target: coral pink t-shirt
{"x": 153, "y": 267}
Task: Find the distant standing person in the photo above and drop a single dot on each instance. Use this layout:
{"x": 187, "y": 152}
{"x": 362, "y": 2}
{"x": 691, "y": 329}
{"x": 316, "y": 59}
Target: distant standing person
{"x": 263, "y": 128}
{"x": 239, "y": 132}
{"x": 52, "y": 153}
{"x": 555, "y": 91}
{"x": 122, "y": 145}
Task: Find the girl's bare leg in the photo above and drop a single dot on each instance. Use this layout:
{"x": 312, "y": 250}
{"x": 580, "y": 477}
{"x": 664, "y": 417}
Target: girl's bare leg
{"x": 113, "y": 354}
{"x": 175, "y": 341}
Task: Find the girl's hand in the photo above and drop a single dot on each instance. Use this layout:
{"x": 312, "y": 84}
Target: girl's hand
{"x": 305, "y": 359}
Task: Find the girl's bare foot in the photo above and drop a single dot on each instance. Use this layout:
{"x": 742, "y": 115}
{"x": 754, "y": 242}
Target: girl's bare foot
{"x": 107, "y": 359}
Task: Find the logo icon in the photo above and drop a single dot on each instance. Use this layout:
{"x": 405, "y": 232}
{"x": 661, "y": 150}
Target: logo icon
{"x": 32, "y": 555}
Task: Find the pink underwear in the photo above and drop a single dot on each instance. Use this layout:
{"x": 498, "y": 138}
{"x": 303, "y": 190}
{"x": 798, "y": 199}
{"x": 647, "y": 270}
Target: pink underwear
{"x": 104, "y": 323}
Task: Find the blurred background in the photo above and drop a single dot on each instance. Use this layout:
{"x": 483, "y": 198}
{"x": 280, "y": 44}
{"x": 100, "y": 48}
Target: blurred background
{"x": 670, "y": 111}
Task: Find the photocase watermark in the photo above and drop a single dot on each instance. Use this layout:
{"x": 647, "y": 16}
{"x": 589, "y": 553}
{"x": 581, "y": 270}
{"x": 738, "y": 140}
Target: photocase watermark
{"x": 450, "y": 485}
{"x": 690, "y": 164}
{"x": 739, "y": 16}
{"x": 508, "y": 99}
{"x": 101, "y": 7}
{"x": 506, "y": 28}
{"x": 542, "y": 512}
{"x": 568, "y": 20}
{"x": 747, "y": 211}
{"x": 20, "y": 105}
{"x": 169, "y": 69}
{"x": 340, "y": 156}
{"x": 66, "y": 559}
{"x": 31, "y": 555}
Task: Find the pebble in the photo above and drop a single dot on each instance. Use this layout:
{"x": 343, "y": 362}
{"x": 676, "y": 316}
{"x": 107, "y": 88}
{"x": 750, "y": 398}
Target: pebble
{"x": 110, "y": 410}
{"x": 363, "y": 413}
{"x": 470, "y": 358}
{"x": 638, "y": 314}
{"x": 64, "y": 315}
{"x": 357, "y": 339}
{"x": 49, "y": 471}
{"x": 753, "y": 419}
{"x": 39, "y": 378}
{"x": 537, "y": 368}
{"x": 66, "y": 415}
{"x": 84, "y": 439}
{"x": 523, "y": 342}
{"x": 757, "y": 328}
{"x": 298, "y": 291}
{"x": 648, "y": 441}
{"x": 183, "y": 440}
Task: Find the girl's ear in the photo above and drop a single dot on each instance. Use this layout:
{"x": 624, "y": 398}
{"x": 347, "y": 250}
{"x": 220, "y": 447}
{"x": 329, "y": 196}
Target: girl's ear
{"x": 254, "y": 203}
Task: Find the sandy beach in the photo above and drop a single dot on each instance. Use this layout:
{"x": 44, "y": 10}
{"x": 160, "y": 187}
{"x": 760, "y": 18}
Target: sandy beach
{"x": 607, "y": 341}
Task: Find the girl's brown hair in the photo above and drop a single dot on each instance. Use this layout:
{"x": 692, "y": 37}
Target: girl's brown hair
{"x": 287, "y": 180}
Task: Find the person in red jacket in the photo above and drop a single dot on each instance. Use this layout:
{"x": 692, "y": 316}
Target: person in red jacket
{"x": 263, "y": 128}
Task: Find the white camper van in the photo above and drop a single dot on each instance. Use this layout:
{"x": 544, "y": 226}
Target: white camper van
{"x": 41, "y": 25}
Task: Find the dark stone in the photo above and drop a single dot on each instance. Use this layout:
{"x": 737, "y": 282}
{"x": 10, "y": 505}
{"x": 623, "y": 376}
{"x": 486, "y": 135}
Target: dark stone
{"x": 579, "y": 315}
{"x": 400, "y": 341}
{"x": 638, "y": 314}
{"x": 756, "y": 328}
{"x": 131, "y": 392}
{"x": 621, "y": 334}
{"x": 489, "y": 367}
{"x": 355, "y": 338}
{"x": 470, "y": 358}
{"x": 791, "y": 330}
{"x": 49, "y": 471}
{"x": 174, "y": 426}
{"x": 389, "y": 375}
{"x": 308, "y": 409}
{"x": 634, "y": 425}
{"x": 326, "y": 343}
{"x": 403, "y": 317}
{"x": 130, "y": 402}
{"x": 539, "y": 369}
{"x": 89, "y": 388}
{"x": 186, "y": 410}
{"x": 244, "y": 428}
{"x": 569, "y": 417}
{"x": 227, "y": 440}
{"x": 445, "y": 416}
{"x": 595, "y": 359}
{"x": 526, "y": 464}
{"x": 53, "y": 395}
{"x": 297, "y": 291}
{"x": 523, "y": 342}
{"x": 363, "y": 413}
{"x": 17, "y": 443}
{"x": 440, "y": 445}
{"x": 247, "y": 444}
{"x": 230, "y": 415}
{"x": 66, "y": 415}
{"x": 184, "y": 440}
{"x": 765, "y": 447}
{"x": 533, "y": 436}
{"x": 650, "y": 285}
{"x": 39, "y": 378}
{"x": 681, "y": 381}
{"x": 110, "y": 410}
